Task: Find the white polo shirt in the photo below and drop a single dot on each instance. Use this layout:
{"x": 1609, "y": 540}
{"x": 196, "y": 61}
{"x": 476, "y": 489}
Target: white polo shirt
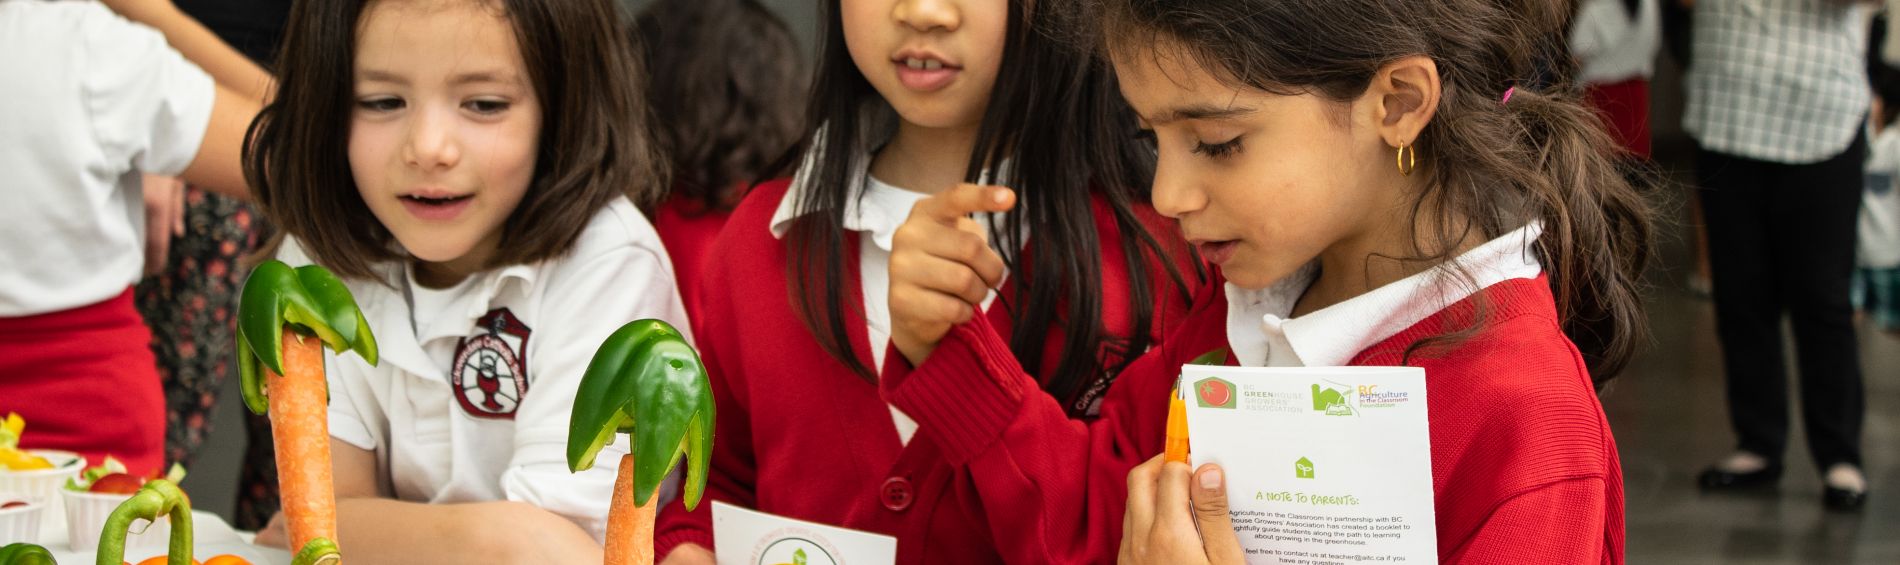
{"x": 87, "y": 101}
{"x": 472, "y": 399}
{"x": 1262, "y": 335}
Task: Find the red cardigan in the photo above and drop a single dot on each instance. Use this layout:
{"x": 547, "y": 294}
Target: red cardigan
{"x": 1524, "y": 469}
{"x": 800, "y": 435}
{"x": 687, "y": 229}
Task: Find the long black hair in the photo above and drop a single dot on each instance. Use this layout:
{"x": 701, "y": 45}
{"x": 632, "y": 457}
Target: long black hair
{"x": 1057, "y": 118}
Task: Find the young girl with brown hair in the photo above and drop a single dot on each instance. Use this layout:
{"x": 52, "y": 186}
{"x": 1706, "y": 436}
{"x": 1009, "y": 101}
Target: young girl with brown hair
{"x": 470, "y": 168}
{"x": 1377, "y": 186}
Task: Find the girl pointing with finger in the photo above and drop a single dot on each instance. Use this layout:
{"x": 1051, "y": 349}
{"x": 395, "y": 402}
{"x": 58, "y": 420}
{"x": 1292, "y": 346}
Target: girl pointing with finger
{"x": 816, "y": 418}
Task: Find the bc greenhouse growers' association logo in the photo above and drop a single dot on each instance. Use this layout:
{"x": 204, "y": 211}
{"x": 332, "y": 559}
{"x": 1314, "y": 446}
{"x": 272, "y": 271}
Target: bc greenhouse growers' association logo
{"x": 1215, "y": 392}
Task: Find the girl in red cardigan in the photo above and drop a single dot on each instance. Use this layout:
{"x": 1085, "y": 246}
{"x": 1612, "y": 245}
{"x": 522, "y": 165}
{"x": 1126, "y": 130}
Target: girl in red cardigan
{"x": 1377, "y": 187}
{"x": 912, "y": 98}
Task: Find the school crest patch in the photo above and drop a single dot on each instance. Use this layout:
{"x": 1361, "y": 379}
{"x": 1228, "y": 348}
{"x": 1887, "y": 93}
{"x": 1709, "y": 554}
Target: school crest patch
{"x": 491, "y": 367}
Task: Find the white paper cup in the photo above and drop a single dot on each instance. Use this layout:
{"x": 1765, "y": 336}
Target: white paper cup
{"x": 21, "y": 523}
{"x": 44, "y": 483}
{"x": 86, "y": 514}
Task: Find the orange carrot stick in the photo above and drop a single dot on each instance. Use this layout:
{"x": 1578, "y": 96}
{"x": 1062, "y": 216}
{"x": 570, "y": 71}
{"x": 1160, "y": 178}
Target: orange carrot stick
{"x": 300, "y": 426}
{"x": 629, "y": 526}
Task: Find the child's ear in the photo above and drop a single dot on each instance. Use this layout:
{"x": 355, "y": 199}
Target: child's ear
{"x": 1407, "y": 92}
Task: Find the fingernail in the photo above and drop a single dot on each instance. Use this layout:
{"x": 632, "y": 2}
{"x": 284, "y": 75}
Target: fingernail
{"x": 1000, "y": 196}
{"x": 1210, "y": 480}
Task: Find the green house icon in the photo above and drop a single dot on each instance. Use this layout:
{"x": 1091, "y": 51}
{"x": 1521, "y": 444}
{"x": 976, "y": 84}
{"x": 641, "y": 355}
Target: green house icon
{"x": 1303, "y": 469}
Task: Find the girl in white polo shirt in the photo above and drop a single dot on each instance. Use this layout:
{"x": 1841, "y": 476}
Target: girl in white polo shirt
{"x": 88, "y": 100}
{"x": 470, "y": 170}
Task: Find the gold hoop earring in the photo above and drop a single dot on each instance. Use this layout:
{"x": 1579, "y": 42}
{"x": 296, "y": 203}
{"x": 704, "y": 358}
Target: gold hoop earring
{"x": 1408, "y": 159}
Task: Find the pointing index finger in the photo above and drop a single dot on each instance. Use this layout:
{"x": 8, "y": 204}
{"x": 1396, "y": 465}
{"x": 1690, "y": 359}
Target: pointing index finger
{"x": 966, "y": 199}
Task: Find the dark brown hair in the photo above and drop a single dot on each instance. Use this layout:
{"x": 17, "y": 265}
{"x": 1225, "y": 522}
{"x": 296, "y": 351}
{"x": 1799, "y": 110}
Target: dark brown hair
{"x": 1488, "y": 167}
{"x": 729, "y": 78}
{"x": 1056, "y": 117}
{"x": 594, "y": 144}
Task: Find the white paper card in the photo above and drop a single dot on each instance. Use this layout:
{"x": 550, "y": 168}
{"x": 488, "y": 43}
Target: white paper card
{"x": 748, "y": 537}
{"x": 1323, "y": 465}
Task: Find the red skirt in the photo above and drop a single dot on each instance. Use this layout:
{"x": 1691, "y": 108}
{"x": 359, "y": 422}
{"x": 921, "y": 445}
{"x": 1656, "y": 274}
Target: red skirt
{"x": 86, "y": 381}
{"x": 1624, "y": 107}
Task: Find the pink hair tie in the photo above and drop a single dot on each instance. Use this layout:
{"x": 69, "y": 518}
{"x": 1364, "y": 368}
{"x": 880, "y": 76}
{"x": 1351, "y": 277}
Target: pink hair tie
{"x": 1507, "y": 95}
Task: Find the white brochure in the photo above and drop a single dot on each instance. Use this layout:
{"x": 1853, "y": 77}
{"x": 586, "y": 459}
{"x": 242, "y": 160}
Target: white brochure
{"x": 1324, "y": 465}
{"x": 749, "y": 537}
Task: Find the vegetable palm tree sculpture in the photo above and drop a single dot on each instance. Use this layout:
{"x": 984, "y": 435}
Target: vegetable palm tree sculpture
{"x": 285, "y": 317}
{"x": 645, "y": 381}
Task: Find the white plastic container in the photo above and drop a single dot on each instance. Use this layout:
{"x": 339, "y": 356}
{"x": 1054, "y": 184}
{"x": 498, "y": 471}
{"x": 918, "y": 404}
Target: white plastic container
{"x": 44, "y": 483}
{"x": 86, "y": 514}
{"x": 21, "y": 523}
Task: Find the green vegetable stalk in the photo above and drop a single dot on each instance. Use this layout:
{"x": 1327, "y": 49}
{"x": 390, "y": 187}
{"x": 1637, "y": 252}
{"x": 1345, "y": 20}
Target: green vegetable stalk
{"x": 157, "y": 498}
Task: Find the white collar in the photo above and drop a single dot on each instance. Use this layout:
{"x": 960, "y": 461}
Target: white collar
{"x": 878, "y": 208}
{"x": 1259, "y": 332}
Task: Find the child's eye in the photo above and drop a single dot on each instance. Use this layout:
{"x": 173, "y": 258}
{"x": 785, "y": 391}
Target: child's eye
{"x": 486, "y": 106}
{"x": 1218, "y": 150}
{"x": 380, "y": 104}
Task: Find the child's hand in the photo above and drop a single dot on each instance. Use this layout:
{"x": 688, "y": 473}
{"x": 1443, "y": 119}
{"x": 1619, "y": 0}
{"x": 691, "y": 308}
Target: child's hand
{"x": 942, "y": 266}
{"x": 1160, "y": 524}
{"x": 274, "y": 533}
{"x": 164, "y": 219}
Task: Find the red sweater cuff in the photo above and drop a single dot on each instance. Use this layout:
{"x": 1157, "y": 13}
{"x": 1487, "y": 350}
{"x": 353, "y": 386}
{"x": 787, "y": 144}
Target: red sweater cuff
{"x": 965, "y": 395}
{"x": 665, "y": 543}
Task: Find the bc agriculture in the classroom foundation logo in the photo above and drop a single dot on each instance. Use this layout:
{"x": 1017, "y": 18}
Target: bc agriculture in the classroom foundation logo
{"x": 1334, "y": 399}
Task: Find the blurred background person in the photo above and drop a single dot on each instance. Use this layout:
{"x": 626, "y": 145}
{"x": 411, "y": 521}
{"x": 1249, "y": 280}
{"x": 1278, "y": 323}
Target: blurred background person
{"x": 1777, "y": 98}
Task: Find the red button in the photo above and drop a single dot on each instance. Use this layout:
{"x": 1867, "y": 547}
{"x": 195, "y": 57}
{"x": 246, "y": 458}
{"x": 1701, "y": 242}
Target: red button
{"x": 896, "y": 494}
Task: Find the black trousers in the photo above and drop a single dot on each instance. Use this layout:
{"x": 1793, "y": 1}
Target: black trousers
{"x": 1781, "y": 241}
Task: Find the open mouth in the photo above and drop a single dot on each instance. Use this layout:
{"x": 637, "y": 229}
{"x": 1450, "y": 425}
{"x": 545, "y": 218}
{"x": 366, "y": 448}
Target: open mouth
{"x": 437, "y": 201}
{"x": 923, "y": 71}
{"x": 436, "y": 207}
{"x": 924, "y": 64}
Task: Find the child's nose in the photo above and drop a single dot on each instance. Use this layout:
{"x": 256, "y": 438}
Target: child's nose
{"x": 1175, "y": 195}
{"x": 432, "y": 142}
{"x": 927, "y": 15}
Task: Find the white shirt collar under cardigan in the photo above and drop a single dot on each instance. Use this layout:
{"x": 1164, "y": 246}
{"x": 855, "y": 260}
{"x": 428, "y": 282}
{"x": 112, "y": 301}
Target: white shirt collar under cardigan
{"x": 1260, "y": 333}
{"x": 877, "y": 209}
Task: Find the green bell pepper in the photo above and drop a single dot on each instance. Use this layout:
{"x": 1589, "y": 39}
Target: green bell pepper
{"x": 157, "y": 498}
{"x": 646, "y": 381}
{"x": 307, "y": 298}
{"x": 25, "y": 554}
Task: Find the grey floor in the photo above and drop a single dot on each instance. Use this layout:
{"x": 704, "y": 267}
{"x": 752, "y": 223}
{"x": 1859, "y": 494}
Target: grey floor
{"x": 1670, "y": 419}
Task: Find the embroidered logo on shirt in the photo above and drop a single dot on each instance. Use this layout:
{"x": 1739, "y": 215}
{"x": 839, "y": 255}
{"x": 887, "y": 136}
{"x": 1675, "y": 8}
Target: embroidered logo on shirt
{"x": 491, "y": 368}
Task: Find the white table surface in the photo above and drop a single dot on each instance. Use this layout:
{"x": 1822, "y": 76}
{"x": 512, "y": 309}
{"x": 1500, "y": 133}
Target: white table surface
{"x": 211, "y": 537}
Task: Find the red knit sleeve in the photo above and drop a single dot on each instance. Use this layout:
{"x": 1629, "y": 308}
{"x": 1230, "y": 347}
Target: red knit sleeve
{"x": 1558, "y": 523}
{"x": 1052, "y": 487}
